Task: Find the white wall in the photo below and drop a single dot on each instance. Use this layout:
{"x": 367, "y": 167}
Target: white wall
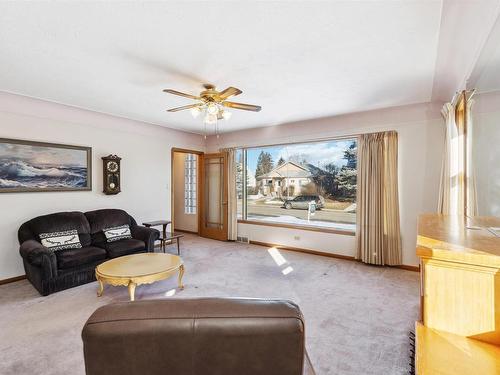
{"x": 421, "y": 138}
{"x": 486, "y": 152}
{"x": 182, "y": 221}
{"x": 145, "y": 150}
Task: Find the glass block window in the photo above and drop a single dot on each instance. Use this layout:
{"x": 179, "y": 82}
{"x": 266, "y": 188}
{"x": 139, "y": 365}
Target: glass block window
{"x": 190, "y": 184}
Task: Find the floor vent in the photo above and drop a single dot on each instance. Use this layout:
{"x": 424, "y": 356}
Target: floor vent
{"x": 411, "y": 363}
{"x": 242, "y": 239}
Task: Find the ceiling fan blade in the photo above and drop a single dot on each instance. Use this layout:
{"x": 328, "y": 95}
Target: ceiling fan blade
{"x": 230, "y": 91}
{"x": 175, "y": 92}
{"x": 183, "y": 107}
{"x": 245, "y": 107}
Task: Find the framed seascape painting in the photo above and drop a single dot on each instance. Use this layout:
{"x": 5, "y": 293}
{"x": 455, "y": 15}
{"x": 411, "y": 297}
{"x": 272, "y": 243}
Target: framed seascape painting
{"x": 36, "y": 166}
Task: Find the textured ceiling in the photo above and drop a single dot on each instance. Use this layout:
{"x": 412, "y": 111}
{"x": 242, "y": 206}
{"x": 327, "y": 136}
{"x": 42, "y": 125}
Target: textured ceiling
{"x": 297, "y": 60}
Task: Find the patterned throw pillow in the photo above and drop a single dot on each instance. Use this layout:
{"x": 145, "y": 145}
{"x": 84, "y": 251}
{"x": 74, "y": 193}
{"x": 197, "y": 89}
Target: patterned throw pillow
{"x": 61, "y": 240}
{"x": 117, "y": 233}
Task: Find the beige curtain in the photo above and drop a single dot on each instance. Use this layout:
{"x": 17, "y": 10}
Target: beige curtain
{"x": 232, "y": 218}
{"x": 378, "y": 227}
{"x": 457, "y": 193}
{"x": 472, "y": 209}
{"x": 448, "y": 113}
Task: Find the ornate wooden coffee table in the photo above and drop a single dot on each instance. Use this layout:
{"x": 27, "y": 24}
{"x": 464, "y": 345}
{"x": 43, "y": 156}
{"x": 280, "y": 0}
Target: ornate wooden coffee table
{"x": 137, "y": 269}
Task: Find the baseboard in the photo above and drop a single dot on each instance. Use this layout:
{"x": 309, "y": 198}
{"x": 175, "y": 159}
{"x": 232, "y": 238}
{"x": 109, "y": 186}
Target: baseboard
{"x": 12, "y": 279}
{"x": 185, "y": 231}
{"x": 408, "y": 267}
{"x": 302, "y": 250}
{"x": 329, "y": 255}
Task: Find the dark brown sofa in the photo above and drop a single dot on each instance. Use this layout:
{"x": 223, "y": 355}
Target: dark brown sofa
{"x": 52, "y": 271}
{"x": 207, "y": 336}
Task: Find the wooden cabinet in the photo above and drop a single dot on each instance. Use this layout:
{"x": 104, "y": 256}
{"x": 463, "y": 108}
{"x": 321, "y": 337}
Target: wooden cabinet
{"x": 460, "y": 281}
{"x": 442, "y": 353}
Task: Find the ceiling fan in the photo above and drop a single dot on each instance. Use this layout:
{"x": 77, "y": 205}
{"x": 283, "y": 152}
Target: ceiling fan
{"x": 212, "y": 103}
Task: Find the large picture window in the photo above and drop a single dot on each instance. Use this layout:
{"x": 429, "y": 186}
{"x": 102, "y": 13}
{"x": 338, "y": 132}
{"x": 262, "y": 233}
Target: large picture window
{"x": 307, "y": 184}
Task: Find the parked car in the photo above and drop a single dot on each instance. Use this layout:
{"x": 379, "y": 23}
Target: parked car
{"x": 302, "y": 202}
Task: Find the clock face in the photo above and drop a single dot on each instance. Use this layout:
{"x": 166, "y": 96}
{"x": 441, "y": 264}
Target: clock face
{"x": 112, "y": 166}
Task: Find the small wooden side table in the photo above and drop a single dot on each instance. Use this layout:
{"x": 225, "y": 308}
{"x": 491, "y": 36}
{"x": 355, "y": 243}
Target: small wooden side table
{"x": 157, "y": 223}
{"x": 169, "y": 238}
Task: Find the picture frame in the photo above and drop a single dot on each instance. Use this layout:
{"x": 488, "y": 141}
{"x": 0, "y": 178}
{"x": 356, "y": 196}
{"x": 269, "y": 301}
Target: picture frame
{"x": 30, "y": 166}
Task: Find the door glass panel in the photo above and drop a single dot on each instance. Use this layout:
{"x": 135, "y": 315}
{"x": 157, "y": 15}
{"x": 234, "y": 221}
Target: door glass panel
{"x": 214, "y": 192}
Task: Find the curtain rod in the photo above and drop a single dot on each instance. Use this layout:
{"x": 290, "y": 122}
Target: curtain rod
{"x": 458, "y": 93}
{"x": 472, "y": 92}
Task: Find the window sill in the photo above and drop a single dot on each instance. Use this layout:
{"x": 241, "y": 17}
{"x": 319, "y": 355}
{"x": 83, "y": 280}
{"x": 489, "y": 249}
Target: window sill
{"x": 299, "y": 227}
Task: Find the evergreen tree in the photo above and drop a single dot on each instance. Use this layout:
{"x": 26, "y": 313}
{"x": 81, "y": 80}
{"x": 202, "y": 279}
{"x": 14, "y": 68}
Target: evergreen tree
{"x": 281, "y": 162}
{"x": 351, "y": 155}
{"x": 346, "y": 180}
{"x": 264, "y": 164}
{"x": 239, "y": 178}
{"x": 347, "y": 176}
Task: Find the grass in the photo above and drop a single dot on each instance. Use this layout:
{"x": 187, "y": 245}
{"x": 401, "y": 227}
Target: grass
{"x": 336, "y": 205}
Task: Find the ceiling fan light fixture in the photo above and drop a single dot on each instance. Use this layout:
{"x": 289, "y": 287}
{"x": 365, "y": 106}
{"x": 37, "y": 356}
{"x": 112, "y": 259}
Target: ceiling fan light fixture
{"x": 211, "y": 105}
{"x": 226, "y": 115}
{"x": 210, "y": 118}
{"x": 195, "y": 112}
{"x": 212, "y": 109}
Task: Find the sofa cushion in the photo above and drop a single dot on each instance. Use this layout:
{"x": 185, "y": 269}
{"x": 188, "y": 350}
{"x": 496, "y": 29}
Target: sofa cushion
{"x": 56, "y": 241}
{"x": 57, "y": 222}
{"x": 124, "y": 247}
{"x": 77, "y": 257}
{"x": 117, "y": 233}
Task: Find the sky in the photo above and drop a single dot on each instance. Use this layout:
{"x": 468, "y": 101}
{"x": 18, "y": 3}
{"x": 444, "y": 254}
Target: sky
{"x": 317, "y": 153}
{"x": 43, "y": 155}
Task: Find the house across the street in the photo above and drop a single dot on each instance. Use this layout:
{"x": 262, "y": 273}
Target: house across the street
{"x": 286, "y": 180}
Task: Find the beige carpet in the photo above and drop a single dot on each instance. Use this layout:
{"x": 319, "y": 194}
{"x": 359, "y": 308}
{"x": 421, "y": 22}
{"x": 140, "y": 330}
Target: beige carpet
{"x": 357, "y": 316}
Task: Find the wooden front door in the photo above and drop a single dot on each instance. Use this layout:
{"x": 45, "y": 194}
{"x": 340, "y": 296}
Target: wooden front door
{"x": 213, "y": 220}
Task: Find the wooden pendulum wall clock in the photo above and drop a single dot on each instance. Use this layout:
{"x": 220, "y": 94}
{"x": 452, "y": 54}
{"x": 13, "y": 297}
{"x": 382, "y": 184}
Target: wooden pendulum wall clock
{"x": 111, "y": 174}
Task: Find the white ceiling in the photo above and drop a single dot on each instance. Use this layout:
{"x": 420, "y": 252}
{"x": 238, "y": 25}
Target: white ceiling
{"x": 297, "y": 60}
{"x": 490, "y": 78}
{"x": 485, "y": 76}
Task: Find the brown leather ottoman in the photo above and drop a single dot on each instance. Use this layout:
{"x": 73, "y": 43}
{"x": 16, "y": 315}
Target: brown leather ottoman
{"x": 206, "y": 336}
